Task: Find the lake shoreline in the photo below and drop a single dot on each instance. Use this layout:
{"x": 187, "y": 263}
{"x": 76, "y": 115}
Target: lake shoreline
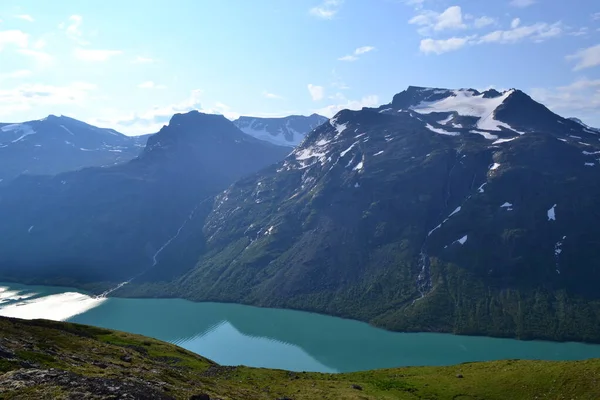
{"x": 122, "y": 293}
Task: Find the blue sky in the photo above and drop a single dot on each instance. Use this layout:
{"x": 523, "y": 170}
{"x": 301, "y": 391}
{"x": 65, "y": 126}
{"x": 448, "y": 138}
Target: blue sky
{"x": 131, "y": 64}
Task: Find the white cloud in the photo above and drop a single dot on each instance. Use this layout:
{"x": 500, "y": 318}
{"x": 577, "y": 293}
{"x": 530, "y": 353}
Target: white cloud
{"x": 349, "y": 57}
{"x": 363, "y": 50}
{"x": 14, "y": 38}
{"x": 586, "y": 58}
{"x": 451, "y": 18}
{"x": 271, "y": 95}
{"x": 143, "y": 60}
{"x": 327, "y": 10}
{"x": 316, "y": 92}
{"x": 537, "y": 32}
{"x": 29, "y": 96}
{"x": 484, "y": 21}
{"x": 522, "y": 3}
{"x": 596, "y": 16}
{"x": 581, "y": 99}
{"x": 356, "y": 53}
{"x": 150, "y": 85}
{"x": 25, "y": 17}
{"x": 331, "y": 110}
{"x": 443, "y": 45}
{"x": 417, "y": 4}
{"x": 153, "y": 119}
{"x": 73, "y": 30}
{"x": 95, "y": 55}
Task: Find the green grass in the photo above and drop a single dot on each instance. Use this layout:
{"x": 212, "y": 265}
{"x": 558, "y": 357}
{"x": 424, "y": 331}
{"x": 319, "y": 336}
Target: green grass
{"x": 100, "y": 353}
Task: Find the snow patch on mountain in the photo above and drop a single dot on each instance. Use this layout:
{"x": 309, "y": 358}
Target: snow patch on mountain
{"x": 486, "y": 135}
{"x": 469, "y": 103}
{"x": 441, "y": 131}
{"x": 552, "y": 213}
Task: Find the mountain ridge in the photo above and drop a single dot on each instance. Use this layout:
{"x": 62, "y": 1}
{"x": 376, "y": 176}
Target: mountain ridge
{"x": 413, "y": 221}
{"x": 284, "y": 131}
{"x": 59, "y": 144}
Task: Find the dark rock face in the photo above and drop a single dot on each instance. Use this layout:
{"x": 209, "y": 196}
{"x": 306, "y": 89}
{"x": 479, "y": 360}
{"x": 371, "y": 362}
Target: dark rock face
{"x": 398, "y": 217}
{"x": 102, "y": 224}
{"x": 60, "y": 144}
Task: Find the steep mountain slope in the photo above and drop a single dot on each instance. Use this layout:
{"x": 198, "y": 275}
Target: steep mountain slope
{"x": 286, "y": 131}
{"x": 445, "y": 210}
{"x": 59, "y": 144}
{"x": 48, "y": 360}
{"x": 108, "y": 224}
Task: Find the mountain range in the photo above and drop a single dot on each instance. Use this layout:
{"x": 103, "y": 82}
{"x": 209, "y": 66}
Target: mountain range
{"x": 445, "y": 210}
{"x": 102, "y": 224}
{"x": 286, "y": 131}
{"x": 58, "y": 144}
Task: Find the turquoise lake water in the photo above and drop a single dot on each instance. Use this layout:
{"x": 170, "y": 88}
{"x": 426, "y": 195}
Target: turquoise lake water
{"x": 232, "y": 334}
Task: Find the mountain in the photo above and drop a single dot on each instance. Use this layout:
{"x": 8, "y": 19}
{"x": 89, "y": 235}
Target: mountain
{"x": 589, "y": 128}
{"x": 44, "y": 359}
{"x": 58, "y": 144}
{"x": 287, "y": 131}
{"x": 106, "y": 224}
{"x": 445, "y": 210}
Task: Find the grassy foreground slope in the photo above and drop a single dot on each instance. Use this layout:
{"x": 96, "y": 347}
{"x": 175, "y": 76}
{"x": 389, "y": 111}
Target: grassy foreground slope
{"x": 51, "y": 360}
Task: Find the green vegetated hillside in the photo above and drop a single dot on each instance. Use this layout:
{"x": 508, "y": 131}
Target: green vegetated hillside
{"x": 415, "y": 221}
{"x": 57, "y": 360}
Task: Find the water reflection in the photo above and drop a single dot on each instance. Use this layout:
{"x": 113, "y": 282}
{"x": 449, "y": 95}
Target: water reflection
{"x": 233, "y": 334}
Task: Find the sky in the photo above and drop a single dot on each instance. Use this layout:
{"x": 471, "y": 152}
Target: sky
{"x": 131, "y": 64}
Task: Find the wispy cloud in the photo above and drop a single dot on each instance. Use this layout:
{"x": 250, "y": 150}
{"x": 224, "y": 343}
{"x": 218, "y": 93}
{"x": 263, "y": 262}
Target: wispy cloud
{"x": 143, "y": 60}
{"x": 580, "y": 98}
{"x": 522, "y": 3}
{"x": 95, "y": 55}
{"x": 431, "y": 21}
{"x": 150, "y": 85}
{"x": 537, "y": 32}
{"x": 13, "y": 38}
{"x": 25, "y": 17}
{"x": 356, "y": 53}
{"x": 338, "y": 82}
{"x": 28, "y": 96}
{"x": 327, "y": 9}
{"x": 586, "y": 58}
{"x": 484, "y": 21}
{"x": 440, "y": 46}
{"x": 596, "y": 16}
{"x": 73, "y": 30}
{"x": 344, "y": 103}
{"x": 316, "y": 92}
{"x": 151, "y": 120}
{"x": 269, "y": 95}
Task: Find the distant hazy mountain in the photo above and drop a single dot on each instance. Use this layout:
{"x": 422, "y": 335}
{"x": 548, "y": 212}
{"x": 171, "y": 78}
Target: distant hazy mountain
{"x": 101, "y": 224}
{"x": 286, "y": 131}
{"x": 59, "y": 144}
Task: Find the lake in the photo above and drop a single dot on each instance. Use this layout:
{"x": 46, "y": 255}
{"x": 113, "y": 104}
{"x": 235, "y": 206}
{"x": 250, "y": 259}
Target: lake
{"x": 232, "y": 334}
